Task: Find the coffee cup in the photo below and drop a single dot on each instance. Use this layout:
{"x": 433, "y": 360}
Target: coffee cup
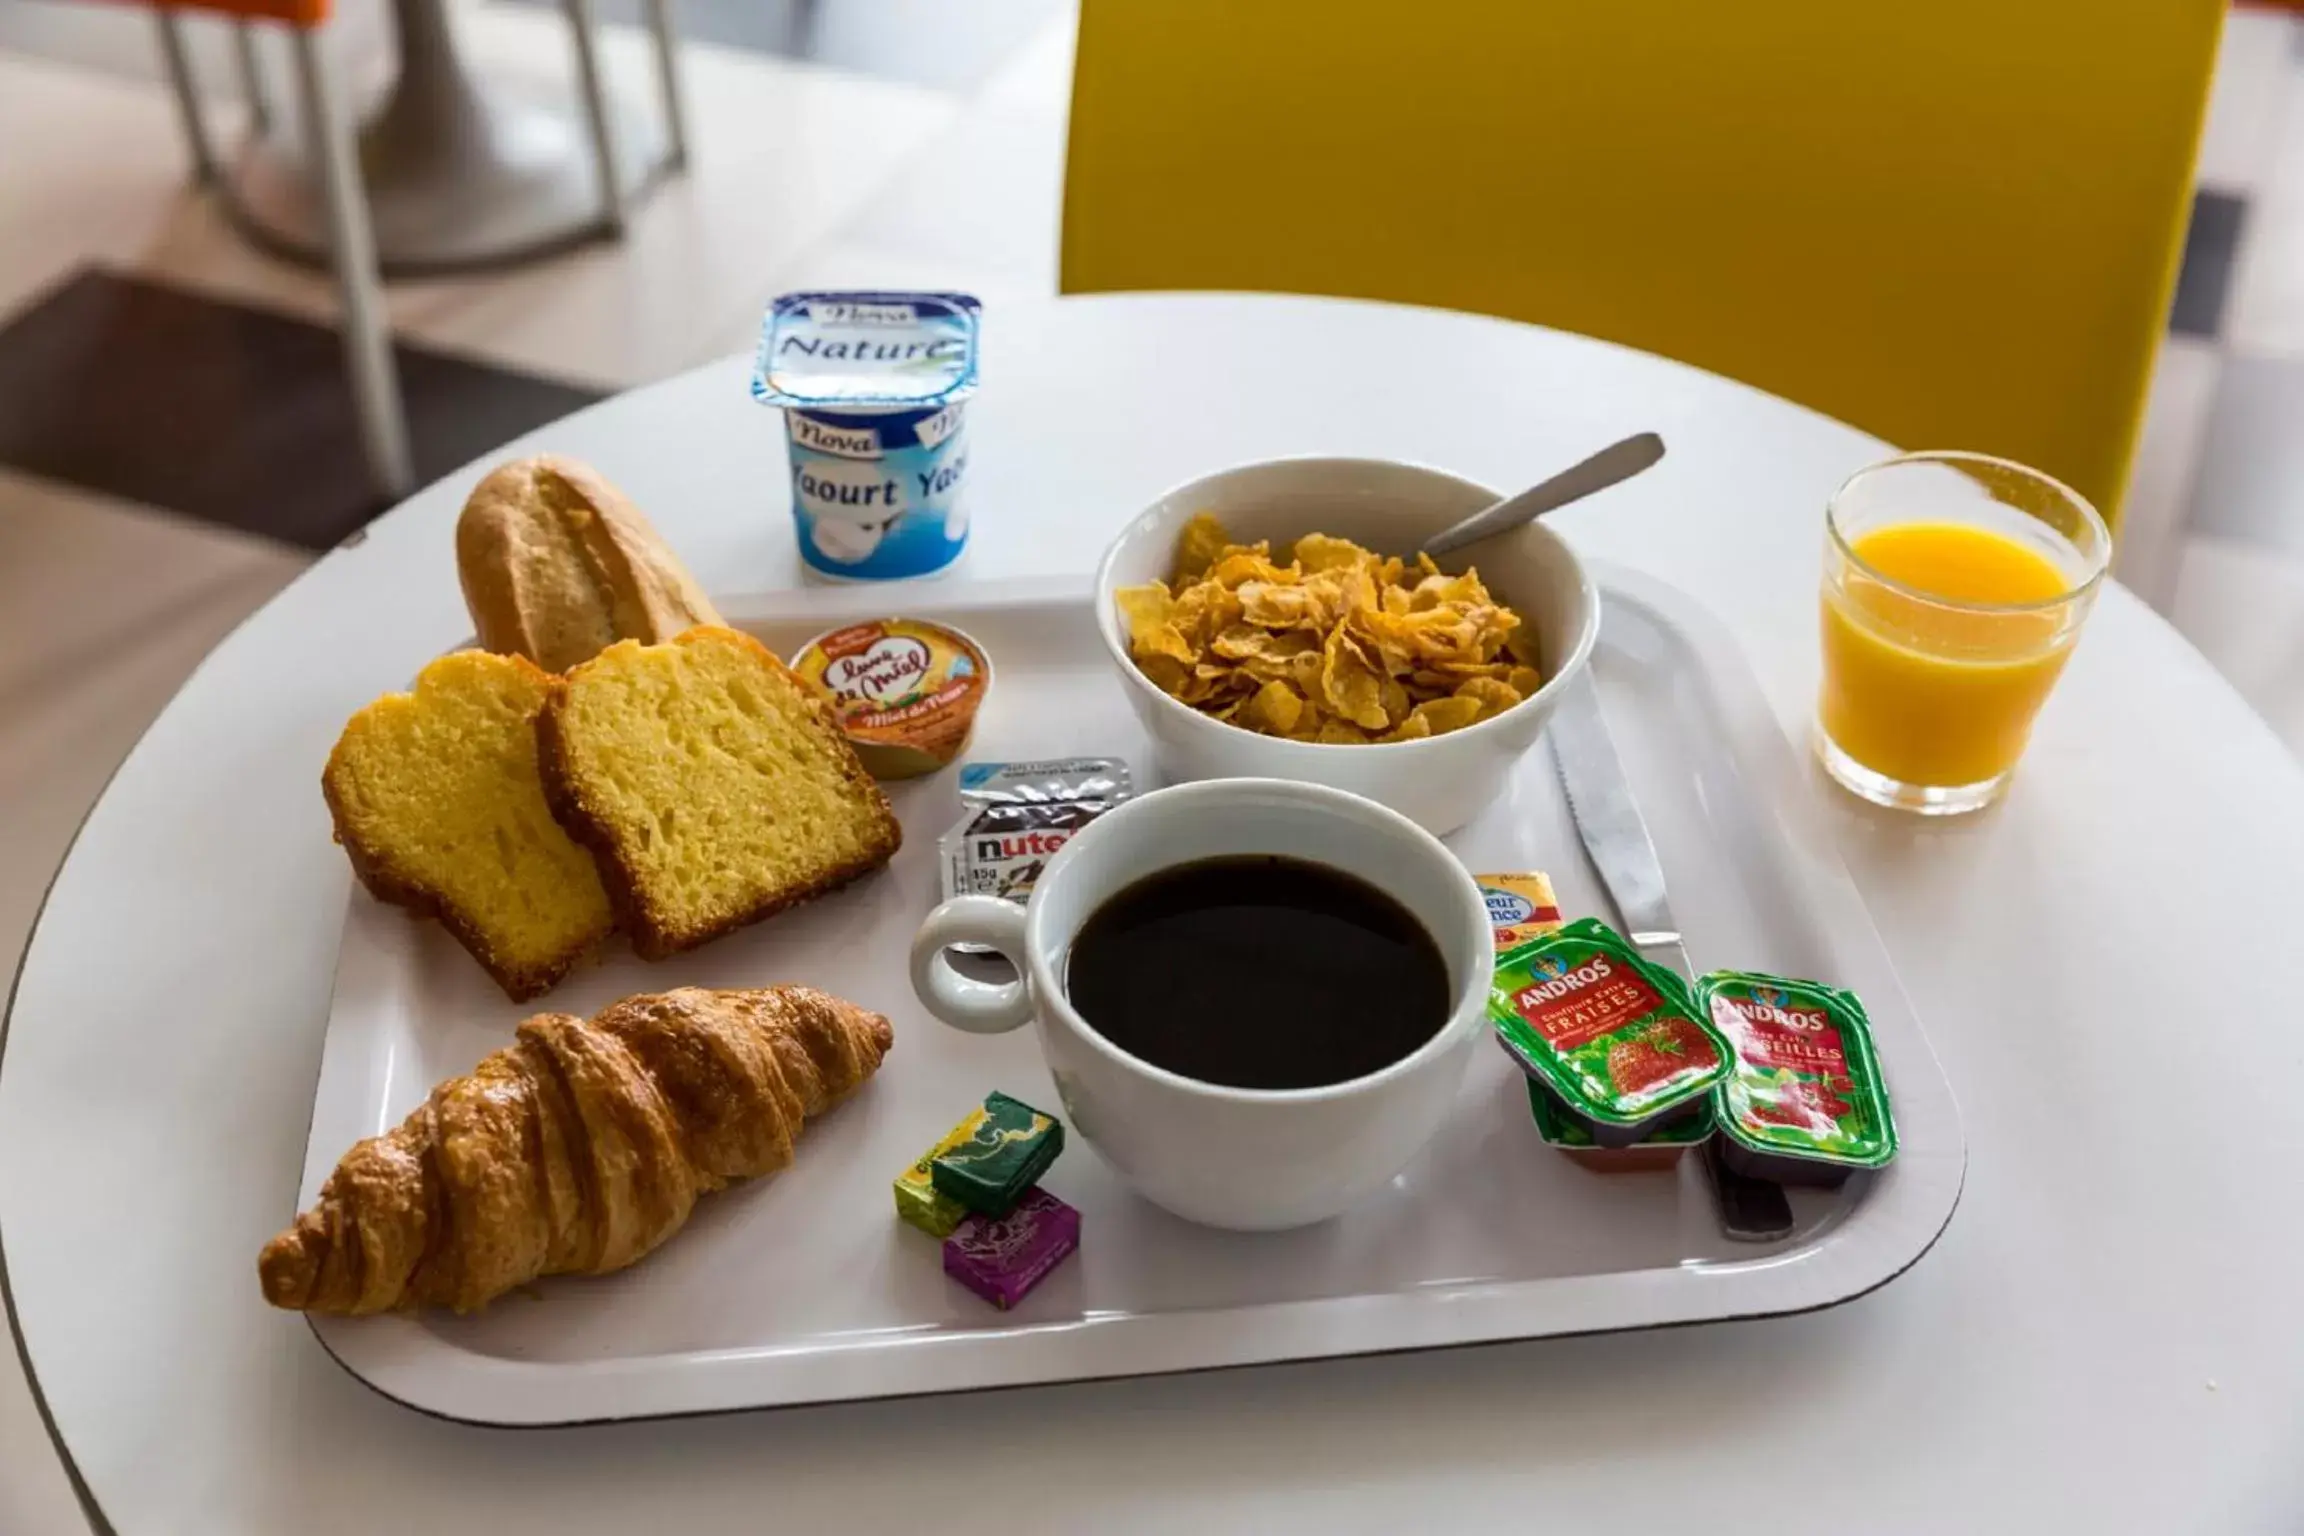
{"x": 1249, "y": 1159}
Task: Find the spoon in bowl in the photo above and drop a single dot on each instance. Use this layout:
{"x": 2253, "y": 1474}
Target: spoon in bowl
{"x": 1614, "y": 463}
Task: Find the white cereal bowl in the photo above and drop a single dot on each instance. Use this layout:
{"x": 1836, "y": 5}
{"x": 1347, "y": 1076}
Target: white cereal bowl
{"x": 1441, "y": 782}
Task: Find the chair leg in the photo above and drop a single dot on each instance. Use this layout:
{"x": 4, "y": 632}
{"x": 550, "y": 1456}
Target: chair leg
{"x": 251, "y": 77}
{"x": 583, "y": 23}
{"x": 367, "y": 339}
{"x": 668, "y": 84}
{"x": 179, "y": 62}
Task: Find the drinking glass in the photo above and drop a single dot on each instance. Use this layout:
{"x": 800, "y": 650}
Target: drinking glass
{"x": 1955, "y": 585}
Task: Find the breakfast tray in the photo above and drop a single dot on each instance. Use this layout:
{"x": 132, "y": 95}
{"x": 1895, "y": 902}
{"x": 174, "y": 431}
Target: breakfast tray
{"x": 806, "y": 1288}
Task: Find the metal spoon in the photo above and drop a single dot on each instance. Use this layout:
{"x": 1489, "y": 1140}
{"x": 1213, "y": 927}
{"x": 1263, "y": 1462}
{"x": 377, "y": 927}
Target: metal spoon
{"x": 1617, "y": 461}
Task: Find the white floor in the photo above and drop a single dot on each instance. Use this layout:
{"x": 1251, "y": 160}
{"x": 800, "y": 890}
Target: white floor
{"x": 808, "y": 176}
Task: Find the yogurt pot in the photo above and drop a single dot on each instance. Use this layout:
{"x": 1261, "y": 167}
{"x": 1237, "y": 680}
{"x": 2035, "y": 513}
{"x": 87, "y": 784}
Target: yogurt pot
{"x": 874, "y": 388}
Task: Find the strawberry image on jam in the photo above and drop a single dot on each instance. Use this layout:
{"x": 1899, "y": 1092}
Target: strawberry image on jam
{"x": 1615, "y": 1038}
{"x": 1665, "y": 1049}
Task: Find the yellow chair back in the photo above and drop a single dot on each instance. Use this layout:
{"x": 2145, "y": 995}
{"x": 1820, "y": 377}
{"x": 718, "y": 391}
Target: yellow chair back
{"x": 1952, "y": 223}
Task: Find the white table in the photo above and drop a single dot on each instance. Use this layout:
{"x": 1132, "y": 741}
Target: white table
{"x": 2105, "y": 1338}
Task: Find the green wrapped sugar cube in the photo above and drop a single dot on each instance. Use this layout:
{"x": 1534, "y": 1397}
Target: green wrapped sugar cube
{"x": 1007, "y": 1145}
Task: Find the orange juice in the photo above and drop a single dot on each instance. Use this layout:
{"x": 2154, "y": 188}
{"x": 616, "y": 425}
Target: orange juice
{"x": 1931, "y": 693}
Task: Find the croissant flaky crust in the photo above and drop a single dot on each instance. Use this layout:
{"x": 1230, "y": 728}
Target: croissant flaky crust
{"x": 574, "y": 1150}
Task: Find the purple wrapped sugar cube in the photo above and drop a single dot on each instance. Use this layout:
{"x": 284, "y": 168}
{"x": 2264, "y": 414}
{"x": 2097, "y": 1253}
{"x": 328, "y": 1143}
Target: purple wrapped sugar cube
{"x": 1001, "y": 1258}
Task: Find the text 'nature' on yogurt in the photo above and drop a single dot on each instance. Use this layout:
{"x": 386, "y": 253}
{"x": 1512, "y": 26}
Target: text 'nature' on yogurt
{"x": 874, "y": 388}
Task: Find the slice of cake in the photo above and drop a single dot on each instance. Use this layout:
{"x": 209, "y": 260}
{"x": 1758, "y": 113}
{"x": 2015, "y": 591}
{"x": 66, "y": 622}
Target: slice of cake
{"x": 437, "y": 800}
{"x": 711, "y": 784}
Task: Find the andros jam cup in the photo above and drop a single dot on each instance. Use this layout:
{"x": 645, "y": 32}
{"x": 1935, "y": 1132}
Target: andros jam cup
{"x": 874, "y": 388}
{"x": 1614, "y": 1038}
{"x": 1804, "y": 1101}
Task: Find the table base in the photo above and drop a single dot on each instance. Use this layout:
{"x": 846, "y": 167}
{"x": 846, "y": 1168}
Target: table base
{"x": 484, "y": 182}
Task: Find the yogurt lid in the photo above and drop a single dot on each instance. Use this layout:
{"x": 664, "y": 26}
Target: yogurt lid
{"x": 875, "y": 350}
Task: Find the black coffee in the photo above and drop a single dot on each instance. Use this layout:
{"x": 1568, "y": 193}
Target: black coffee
{"x": 1259, "y": 972}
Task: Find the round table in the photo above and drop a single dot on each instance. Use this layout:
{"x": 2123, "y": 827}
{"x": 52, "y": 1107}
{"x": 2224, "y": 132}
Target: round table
{"x": 2104, "y": 1337}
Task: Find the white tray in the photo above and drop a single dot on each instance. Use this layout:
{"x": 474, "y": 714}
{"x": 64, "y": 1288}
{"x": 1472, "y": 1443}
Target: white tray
{"x": 805, "y": 1288}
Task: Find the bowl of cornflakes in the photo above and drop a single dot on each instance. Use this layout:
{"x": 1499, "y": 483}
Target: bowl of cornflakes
{"x": 1275, "y": 621}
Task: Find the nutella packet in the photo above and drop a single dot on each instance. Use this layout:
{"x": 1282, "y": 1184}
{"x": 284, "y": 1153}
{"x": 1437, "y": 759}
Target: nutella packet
{"x": 1018, "y": 815}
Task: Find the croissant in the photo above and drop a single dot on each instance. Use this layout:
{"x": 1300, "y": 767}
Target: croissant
{"x": 574, "y": 1150}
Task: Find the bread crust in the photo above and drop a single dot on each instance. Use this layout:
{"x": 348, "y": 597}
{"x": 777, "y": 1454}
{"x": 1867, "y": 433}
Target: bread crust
{"x": 556, "y": 564}
{"x": 653, "y": 938}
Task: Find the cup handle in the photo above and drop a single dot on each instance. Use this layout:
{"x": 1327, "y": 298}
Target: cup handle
{"x": 979, "y": 1007}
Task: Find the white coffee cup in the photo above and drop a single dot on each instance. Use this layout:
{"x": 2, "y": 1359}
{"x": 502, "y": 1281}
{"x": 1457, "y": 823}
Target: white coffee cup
{"x": 1249, "y": 1159}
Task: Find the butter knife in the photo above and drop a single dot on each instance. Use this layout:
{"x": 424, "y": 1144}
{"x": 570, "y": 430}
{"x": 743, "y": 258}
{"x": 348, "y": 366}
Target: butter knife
{"x": 1614, "y": 833}
{"x": 1615, "y": 838}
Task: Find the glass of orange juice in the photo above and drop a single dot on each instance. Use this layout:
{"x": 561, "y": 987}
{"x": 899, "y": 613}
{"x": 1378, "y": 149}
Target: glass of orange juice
{"x": 1954, "y": 587}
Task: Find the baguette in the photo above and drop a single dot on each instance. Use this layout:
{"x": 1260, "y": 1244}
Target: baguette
{"x": 557, "y": 565}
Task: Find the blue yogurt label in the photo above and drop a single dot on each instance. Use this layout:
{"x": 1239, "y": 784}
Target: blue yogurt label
{"x": 874, "y": 389}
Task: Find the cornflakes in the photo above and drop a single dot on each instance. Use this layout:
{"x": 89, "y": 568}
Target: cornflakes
{"x": 1197, "y": 547}
{"x": 1274, "y": 709}
{"x": 1337, "y": 645}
